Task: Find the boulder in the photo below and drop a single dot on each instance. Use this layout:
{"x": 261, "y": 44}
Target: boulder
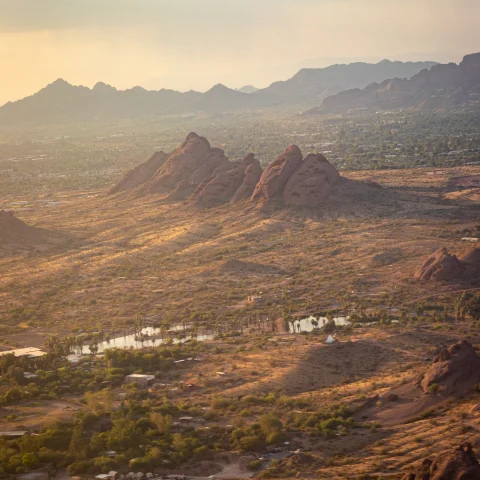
{"x": 456, "y": 370}
{"x": 460, "y": 464}
{"x": 311, "y": 183}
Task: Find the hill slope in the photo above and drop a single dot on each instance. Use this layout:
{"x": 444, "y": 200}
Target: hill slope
{"x": 440, "y": 87}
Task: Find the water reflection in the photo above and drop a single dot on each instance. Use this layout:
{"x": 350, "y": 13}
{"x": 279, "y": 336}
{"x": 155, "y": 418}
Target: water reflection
{"x": 311, "y": 323}
{"x": 152, "y": 337}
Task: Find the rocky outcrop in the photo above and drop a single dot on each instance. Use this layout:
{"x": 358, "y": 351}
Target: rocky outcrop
{"x": 223, "y": 187}
{"x": 13, "y": 230}
{"x": 203, "y": 175}
{"x": 441, "y": 266}
{"x": 277, "y": 174}
{"x": 141, "y": 174}
{"x": 460, "y": 464}
{"x": 187, "y": 167}
{"x": 311, "y": 183}
{"x": 251, "y": 177}
{"x": 472, "y": 258}
{"x": 297, "y": 182}
{"x": 455, "y": 370}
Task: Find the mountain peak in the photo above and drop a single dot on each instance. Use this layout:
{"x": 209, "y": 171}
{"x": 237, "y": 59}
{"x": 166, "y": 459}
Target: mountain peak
{"x": 219, "y": 87}
{"x": 247, "y": 89}
{"x": 59, "y": 83}
{"x": 103, "y": 87}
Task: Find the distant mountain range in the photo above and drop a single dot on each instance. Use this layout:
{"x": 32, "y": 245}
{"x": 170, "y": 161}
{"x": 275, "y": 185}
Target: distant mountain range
{"x": 247, "y": 89}
{"x": 440, "y": 87}
{"x": 61, "y": 102}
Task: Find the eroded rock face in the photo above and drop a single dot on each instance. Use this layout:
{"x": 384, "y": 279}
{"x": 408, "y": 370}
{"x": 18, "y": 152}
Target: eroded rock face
{"x": 12, "y": 229}
{"x": 190, "y": 165}
{"x": 311, "y": 183}
{"x": 455, "y": 370}
{"x": 203, "y": 175}
{"x": 460, "y": 464}
{"x": 278, "y": 173}
{"x": 223, "y": 186}
{"x": 473, "y": 258}
{"x": 141, "y": 174}
{"x": 297, "y": 182}
{"x": 251, "y": 177}
{"x": 440, "y": 266}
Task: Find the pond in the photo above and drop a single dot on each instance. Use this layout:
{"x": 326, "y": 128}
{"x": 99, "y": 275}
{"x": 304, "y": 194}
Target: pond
{"x": 306, "y": 324}
{"x": 133, "y": 340}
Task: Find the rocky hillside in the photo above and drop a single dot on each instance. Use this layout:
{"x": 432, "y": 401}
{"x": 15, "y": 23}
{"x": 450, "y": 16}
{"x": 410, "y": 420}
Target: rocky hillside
{"x": 439, "y": 87}
{"x": 201, "y": 175}
{"x": 314, "y": 84}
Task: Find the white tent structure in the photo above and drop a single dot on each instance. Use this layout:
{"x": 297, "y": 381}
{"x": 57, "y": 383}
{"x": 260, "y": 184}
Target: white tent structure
{"x": 330, "y": 339}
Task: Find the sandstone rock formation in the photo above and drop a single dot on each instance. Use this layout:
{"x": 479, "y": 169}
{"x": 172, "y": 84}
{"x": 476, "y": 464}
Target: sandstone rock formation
{"x": 13, "y": 229}
{"x": 311, "y": 183}
{"x": 187, "y": 167}
{"x": 141, "y": 174}
{"x": 203, "y": 175}
{"x": 251, "y": 177}
{"x": 441, "y": 266}
{"x": 460, "y": 464}
{"x": 298, "y": 182}
{"x": 224, "y": 186}
{"x": 455, "y": 370}
{"x": 275, "y": 177}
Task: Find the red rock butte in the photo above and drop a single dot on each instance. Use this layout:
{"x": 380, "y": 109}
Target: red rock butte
{"x": 204, "y": 176}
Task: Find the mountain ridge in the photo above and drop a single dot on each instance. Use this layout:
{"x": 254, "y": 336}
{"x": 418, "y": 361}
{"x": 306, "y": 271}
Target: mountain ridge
{"x": 439, "y": 87}
{"x": 61, "y": 102}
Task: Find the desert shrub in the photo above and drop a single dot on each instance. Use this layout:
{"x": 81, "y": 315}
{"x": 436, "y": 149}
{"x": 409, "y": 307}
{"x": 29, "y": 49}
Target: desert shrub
{"x": 255, "y": 465}
{"x": 251, "y": 443}
{"x": 433, "y": 388}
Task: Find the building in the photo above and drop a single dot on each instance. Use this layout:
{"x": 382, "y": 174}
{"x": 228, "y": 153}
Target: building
{"x": 140, "y": 380}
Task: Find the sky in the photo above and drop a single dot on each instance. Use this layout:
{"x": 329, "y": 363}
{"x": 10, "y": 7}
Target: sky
{"x": 195, "y": 44}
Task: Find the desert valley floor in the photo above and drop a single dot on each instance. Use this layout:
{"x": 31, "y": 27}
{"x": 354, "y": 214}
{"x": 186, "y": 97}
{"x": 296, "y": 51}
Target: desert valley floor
{"x": 95, "y": 262}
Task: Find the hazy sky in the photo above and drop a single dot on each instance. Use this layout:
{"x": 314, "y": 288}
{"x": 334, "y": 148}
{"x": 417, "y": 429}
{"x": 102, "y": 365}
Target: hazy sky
{"x": 194, "y": 44}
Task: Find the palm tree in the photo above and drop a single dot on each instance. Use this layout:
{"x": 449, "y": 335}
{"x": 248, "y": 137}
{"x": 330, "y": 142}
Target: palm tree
{"x": 93, "y": 348}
